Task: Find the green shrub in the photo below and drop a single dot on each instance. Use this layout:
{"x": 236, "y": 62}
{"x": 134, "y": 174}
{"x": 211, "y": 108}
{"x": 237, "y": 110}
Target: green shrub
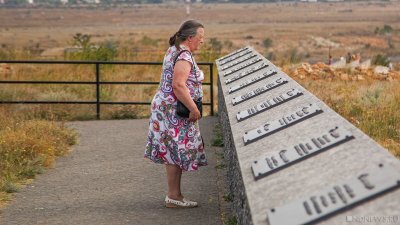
{"x": 216, "y": 45}
{"x": 232, "y": 221}
{"x": 86, "y": 50}
{"x": 267, "y": 42}
{"x": 218, "y": 140}
{"x": 380, "y": 60}
{"x": 9, "y": 187}
{"x": 386, "y": 29}
{"x": 149, "y": 41}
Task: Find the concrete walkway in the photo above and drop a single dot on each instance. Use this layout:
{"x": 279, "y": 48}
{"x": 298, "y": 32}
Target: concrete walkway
{"x": 106, "y": 180}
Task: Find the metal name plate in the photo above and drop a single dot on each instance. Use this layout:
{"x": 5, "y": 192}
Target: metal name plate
{"x": 240, "y": 61}
{"x": 284, "y": 158}
{"x": 236, "y": 57}
{"x": 268, "y": 104}
{"x": 277, "y": 125}
{"x": 338, "y": 197}
{"x": 233, "y": 53}
{"x": 251, "y": 62}
{"x": 252, "y": 81}
{"x": 246, "y": 73}
{"x": 278, "y": 82}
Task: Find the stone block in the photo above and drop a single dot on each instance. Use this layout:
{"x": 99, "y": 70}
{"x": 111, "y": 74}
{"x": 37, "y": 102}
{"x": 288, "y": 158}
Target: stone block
{"x": 285, "y": 150}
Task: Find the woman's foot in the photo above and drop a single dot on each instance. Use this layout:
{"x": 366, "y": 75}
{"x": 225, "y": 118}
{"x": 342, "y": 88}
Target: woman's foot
{"x": 175, "y": 197}
{"x": 179, "y": 202}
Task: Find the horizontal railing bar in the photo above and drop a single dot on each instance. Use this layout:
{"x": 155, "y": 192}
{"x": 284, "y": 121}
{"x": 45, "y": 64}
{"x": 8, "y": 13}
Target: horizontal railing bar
{"x": 97, "y": 82}
{"x": 89, "y": 62}
{"x": 78, "y": 62}
{"x": 77, "y": 82}
{"x": 79, "y": 102}
{"x": 81, "y": 82}
{"x": 48, "y": 102}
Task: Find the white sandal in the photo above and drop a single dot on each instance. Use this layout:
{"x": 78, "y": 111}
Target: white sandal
{"x": 185, "y": 203}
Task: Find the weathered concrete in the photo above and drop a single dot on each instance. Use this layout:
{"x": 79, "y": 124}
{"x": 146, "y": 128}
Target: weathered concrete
{"x": 106, "y": 180}
{"x": 254, "y": 198}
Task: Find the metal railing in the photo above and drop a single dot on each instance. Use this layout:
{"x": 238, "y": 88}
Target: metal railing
{"x": 97, "y": 83}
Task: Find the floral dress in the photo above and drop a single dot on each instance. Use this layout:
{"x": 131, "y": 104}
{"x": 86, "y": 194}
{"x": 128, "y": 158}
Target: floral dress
{"x": 173, "y": 139}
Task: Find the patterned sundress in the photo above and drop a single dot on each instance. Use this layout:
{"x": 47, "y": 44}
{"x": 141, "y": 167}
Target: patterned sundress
{"x": 173, "y": 139}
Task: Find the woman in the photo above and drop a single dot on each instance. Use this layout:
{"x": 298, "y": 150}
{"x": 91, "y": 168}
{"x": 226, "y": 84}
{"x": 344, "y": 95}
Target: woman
{"x": 173, "y": 140}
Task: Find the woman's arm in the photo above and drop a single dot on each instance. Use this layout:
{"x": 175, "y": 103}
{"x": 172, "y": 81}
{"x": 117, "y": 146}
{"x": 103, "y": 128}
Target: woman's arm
{"x": 181, "y": 73}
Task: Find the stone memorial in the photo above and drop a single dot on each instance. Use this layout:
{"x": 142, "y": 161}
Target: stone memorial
{"x": 291, "y": 158}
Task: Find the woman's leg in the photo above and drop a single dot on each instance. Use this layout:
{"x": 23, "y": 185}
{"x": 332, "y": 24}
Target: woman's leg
{"x": 174, "y": 174}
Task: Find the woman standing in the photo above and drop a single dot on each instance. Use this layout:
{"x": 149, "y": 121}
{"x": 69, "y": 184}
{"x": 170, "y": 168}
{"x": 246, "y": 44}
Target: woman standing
{"x": 174, "y": 140}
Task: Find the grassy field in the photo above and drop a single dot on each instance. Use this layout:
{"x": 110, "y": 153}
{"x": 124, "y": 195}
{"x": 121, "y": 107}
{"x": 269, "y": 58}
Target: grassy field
{"x": 309, "y": 28}
{"x": 286, "y": 33}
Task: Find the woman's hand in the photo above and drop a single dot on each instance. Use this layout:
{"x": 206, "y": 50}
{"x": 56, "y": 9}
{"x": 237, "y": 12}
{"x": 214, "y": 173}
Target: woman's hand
{"x": 194, "y": 115}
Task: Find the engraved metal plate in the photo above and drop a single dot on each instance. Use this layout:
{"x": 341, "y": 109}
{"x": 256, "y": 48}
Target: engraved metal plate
{"x": 236, "y": 57}
{"x": 232, "y": 54}
{"x": 277, "y": 125}
{"x": 246, "y": 73}
{"x": 239, "y": 61}
{"x": 247, "y": 64}
{"x": 338, "y": 197}
{"x": 278, "y": 160}
{"x": 268, "y": 104}
{"x": 252, "y": 81}
{"x": 271, "y": 85}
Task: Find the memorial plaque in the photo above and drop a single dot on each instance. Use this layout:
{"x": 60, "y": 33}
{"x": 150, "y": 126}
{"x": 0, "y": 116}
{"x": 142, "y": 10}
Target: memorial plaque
{"x": 232, "y": 54}
{"x": 284, "y": 158}
{"x": 268, "y": 104}
{"x": 246, "y": 83}
{"x": 340, "y": 196}
{"x": 251, "y": 62}
{"x": 246, "y": 73}
{"x": 236, "y": 57}
{"x": 271, "y": 85}
{"x": 240, "y": 61}
{"x": 277, "y": 125}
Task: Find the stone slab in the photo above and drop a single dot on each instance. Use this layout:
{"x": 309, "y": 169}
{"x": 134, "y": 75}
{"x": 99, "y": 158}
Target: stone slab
{"x": 253, "y": 198}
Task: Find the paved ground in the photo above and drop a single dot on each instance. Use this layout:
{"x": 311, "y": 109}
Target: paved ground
{"x": 106, "y": 180}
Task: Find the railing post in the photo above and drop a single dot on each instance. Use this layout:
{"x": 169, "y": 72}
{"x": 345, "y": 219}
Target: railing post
{"x": 98, "y": 91}
{"x": 212, "y": 88}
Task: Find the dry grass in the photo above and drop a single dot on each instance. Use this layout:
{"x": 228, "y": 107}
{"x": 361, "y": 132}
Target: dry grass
{"x": 27, "y": 147}
{"x": 372, "y": 106}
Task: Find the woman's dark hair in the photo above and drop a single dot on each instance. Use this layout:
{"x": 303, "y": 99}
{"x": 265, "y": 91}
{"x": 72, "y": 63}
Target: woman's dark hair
{"x": 187, "y": 29}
